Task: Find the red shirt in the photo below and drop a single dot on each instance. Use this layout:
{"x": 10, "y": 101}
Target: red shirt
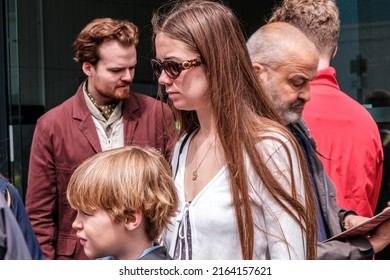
{"x": 348, "y": 137}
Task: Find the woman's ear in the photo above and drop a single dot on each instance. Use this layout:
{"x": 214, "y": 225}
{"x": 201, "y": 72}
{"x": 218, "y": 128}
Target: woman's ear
{"x": 134, "y": 220}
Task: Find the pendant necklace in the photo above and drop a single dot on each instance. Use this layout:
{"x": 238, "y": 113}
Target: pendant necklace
{"x": 195, "y": 173}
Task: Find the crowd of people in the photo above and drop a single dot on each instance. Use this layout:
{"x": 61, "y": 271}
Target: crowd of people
{"x": 241, "y": 162}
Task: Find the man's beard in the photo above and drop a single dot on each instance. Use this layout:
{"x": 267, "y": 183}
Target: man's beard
{"x": 288, "y": 114}
{"x": 116, "y": 93}
{"x": 124, "y": 94}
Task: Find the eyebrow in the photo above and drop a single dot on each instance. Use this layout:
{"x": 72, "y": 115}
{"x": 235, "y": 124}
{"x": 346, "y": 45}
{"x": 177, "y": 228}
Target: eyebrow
{"x": 171, "y": 58}
{"x": 121, "y": 68}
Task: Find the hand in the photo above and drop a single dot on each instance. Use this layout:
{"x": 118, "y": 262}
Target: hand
{"x": 353, "y": 220}
{"x": 380, "y": 238}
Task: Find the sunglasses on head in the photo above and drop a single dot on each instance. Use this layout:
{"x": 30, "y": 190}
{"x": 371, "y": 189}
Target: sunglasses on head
{"x": 173, "y": 68}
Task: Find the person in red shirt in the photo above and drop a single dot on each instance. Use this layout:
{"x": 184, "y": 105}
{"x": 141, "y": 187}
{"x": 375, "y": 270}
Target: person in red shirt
{"x": 346, "y": 134}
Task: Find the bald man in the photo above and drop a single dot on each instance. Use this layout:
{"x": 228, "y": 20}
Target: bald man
{"x": 343, "y": 129}
{"x": 286, "y": 61}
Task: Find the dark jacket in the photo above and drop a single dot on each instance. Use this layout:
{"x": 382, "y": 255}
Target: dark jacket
{"x": 358, "y": 248}
{"x": 161, "y": 253}
{"x": 63, "y": 138}
{"x": 12, "y": 243}
{"x": 19, "y": 211}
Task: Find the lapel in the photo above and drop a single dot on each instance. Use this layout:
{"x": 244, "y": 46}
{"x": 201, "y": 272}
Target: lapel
{"x": 87, "y": 126}
{"x": 130, "y": 108}
{"x": 160, "y": 253}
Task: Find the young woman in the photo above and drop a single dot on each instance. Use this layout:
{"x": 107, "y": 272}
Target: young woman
{"x": 242, "y": 181}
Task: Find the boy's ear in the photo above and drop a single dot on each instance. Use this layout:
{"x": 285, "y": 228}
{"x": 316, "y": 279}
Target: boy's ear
{"x": 134, "y": 220}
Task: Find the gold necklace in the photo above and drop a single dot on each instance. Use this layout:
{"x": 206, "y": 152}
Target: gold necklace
{"x": 195, "y": 172}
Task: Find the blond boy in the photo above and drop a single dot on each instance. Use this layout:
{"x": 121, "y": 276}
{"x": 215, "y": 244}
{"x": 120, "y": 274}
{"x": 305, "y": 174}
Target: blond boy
{"x": 124, "y": 200}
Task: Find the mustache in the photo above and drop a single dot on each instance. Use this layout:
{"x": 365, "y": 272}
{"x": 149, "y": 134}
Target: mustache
{"x": 124, "y": 84}
{"x": 299, "y": 102}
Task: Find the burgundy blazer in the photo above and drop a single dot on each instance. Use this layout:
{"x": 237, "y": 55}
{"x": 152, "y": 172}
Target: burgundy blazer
{"x": 63, "y": 138}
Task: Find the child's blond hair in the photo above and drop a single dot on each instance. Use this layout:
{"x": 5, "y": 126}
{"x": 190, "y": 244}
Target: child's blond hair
{"x": 124, "y": 180}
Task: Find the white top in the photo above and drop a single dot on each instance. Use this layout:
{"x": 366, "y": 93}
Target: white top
{"x": 212, "y": 225}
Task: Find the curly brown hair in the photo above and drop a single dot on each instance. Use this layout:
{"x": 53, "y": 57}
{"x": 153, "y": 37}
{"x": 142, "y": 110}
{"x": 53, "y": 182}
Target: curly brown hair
{"x": 318, "y": 19}
{"x": 101, "y": 30}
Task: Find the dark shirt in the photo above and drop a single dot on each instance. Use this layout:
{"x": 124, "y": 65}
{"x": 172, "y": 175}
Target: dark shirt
{"x": 307, "y": 150}
{"x": 157, "y": 252}
{"x": 19, "y": 211}
{"x": 160, "y": 253}
{"x": 12, "y": 243}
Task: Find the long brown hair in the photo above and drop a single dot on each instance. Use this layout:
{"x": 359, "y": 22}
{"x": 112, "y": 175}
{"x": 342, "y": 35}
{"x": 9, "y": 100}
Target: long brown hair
{"x": 242, "y": 111}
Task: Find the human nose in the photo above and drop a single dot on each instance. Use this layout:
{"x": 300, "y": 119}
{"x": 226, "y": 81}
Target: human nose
{"x": 128, "y": 75}
{"x": 305, "y": 93}
{"x": 164, "y": 79}
{"x": 77, "y": 224}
